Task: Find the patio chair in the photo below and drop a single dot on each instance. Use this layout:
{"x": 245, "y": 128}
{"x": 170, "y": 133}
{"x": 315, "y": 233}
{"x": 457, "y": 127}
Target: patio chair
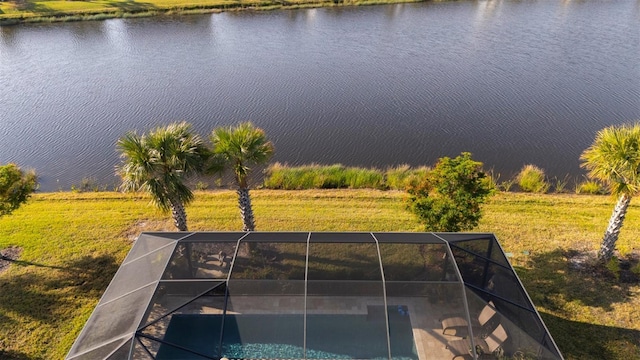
{"x": 459, "y": 324}
{"x": 485, "y": 347}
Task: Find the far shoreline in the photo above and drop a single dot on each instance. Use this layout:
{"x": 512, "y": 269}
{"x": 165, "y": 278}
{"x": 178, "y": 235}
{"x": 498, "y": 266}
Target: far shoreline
{"x": 86, "y": 11}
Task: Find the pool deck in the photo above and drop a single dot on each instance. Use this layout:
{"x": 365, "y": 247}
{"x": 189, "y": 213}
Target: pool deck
{"x": 427, "y": 331}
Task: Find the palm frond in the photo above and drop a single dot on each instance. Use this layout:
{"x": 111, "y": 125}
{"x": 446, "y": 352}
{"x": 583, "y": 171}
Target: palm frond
{"x": 239, "y": 147}
{"x": 159, "y": 163}
{"x": 614, "y": 158}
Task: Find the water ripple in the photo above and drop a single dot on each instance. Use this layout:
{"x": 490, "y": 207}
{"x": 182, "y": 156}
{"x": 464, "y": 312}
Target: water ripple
{"x": 513, "y": 82}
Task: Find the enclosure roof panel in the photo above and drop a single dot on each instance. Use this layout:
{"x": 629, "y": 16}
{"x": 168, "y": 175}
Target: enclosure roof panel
{"x": 281, "y": 295}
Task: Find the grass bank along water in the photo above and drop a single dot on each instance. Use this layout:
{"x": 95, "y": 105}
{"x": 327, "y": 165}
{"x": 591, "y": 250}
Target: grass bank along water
{"x": 27, "y": 11}
{"x": 337, "y": 176}
{"x": 72, "y": 244}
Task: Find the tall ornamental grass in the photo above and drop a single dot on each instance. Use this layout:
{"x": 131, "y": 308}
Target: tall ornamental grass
{"x": 532, "y": 179}
{"x": 403, "y": 176}
{"x": 337, "y": 176}
{"x": 314, "y": 176}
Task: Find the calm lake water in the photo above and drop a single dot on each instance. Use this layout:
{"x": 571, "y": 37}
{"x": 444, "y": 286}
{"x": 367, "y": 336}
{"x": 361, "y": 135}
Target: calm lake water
{"x": 513, "y": 82}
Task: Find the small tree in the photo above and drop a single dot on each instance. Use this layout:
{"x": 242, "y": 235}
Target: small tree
{"x": 614, "y": 158}
{"x": 448, "y": 198}
{"x": 16, "y": 187}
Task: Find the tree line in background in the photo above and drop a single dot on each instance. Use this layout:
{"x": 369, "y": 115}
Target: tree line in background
{"x": 446, "y": 197}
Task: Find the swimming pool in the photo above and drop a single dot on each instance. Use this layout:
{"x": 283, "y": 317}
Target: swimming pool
{"x": 283, "y": 337}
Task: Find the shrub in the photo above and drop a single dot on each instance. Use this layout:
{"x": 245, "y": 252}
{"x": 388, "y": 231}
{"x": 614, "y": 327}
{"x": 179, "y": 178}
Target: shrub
{"x": 532, "y": 179}
{"x": 16, "y": 186}
{"x": 590, "y": 187}
{"x": 449, "y": 197}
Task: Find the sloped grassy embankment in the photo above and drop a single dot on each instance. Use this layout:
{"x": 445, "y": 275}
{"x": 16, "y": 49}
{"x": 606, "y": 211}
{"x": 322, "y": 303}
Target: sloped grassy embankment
{"x": 72, "y": 245}
{"x": 28, "y": 11}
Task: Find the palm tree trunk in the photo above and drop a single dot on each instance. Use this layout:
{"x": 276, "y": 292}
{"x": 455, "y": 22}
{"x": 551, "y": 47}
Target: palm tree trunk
{"x": 180, "y": 221}
{"x": 179, "y": 215}
{"x": 244, "y": 203}
{"x": 613, "y": 230}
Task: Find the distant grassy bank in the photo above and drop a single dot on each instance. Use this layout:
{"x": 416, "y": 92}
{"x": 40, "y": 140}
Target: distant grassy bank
{"x": 27, "y": 11}
{"x": 72, "y": 244}
{"x": 306, "y": 177}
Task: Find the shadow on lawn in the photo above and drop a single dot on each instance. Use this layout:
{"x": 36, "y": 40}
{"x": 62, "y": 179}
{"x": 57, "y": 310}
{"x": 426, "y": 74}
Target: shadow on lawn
{"x": 595, "y": 342}
{"x": 32, "y": 6}
{"x": 130, "y": 5}
{"x": 28, "y": 295}
{"x": 550, "y": 282}
{"x": 123, "y": 6}
{"x": 90, "y": 274}
{"x": 29, "y": 263}
{"x": 14, "y": 355}
{"x": 45, "y": 292}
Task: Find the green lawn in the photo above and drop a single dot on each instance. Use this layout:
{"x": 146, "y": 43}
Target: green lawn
{"x": 73, "y": 243}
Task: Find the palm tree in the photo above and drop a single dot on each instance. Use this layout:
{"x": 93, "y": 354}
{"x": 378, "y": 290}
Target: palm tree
{"x": 159, "y": 162}
{"x": 614, "y": 158}
{"x": 237, "y": 148}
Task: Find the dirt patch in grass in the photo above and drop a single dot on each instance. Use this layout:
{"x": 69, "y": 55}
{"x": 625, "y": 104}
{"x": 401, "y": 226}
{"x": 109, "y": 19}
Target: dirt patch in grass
{"x": 146, "y": 225}
{"x": 622, "y": 268}
{"x": 8, "y": 256}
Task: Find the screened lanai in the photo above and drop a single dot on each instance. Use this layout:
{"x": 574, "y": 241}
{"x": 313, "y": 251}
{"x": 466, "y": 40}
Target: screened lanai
{"x": 317, "y": 295}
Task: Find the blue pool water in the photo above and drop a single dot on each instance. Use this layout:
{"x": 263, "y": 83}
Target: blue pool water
{"x": 282, "y": 336}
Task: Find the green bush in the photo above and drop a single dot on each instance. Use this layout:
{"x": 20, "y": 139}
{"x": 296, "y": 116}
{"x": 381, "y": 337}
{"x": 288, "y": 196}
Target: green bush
{"x": 16, "y": 186}
{"x": 590, "y": 187}
{"x": 532, "y": 179}
{"x": 449, "y": 197}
